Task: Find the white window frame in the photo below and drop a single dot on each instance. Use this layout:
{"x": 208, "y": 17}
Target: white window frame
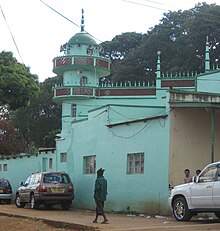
{"x": 135, "y": 163}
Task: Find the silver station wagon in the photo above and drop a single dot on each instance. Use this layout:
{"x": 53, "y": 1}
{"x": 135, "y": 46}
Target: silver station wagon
{"x": 47, "y": 188}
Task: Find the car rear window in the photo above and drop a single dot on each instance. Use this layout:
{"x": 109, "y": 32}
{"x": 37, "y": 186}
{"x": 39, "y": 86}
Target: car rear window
{"x": 56, "y": 177}
{"x": 4, "y": 183}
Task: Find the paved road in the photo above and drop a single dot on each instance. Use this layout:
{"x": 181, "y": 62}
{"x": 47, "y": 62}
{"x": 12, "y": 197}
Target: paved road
{"x": 82, "y": 220}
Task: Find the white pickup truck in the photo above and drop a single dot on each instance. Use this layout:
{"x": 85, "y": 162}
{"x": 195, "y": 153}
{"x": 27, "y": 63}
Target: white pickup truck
{"x": 201, "y": 195}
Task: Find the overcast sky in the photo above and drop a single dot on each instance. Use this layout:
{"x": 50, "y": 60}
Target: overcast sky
{"x": 38, "y": 31}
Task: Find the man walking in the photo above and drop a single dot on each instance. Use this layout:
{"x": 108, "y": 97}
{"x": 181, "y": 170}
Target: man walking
{"x": 100, "y": 193}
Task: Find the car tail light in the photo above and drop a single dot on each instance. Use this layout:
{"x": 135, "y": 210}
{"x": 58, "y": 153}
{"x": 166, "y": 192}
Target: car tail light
{"x": 8, "y": 190}
{"x": 42, "y": 189}
{"x": 70, "y": 189}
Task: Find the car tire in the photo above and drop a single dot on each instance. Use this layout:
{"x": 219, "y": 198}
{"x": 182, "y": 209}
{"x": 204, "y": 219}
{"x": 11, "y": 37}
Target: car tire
{"x": 33, "y": 203}
{"x": 180, "y": 209}
{"x": 217, "y": 214}
{"x": 18, "y": 202}
{"x": 65, "y": 206}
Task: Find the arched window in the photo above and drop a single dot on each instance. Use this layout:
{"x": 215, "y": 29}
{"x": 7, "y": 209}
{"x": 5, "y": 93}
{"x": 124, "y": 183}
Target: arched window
{"x": 74, "y": 107}
{"x": 83, "y": 80}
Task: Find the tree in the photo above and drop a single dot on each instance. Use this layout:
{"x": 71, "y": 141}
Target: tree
{"x": 119, "y": 49}
{"x": 11, "y": 142}
{"x": 180, "y": 36}
{"x": 17, "y": 85}
{"x": 41, "y": 120}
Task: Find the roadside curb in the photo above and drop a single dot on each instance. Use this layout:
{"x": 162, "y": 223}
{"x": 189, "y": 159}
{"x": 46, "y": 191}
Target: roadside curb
{"x": 57, "y": 224}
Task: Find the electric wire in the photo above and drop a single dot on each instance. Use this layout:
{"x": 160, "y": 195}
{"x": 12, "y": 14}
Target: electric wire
{"x": 128, "y": 137}
{"x": 68, "y": 19}
{"x": 141, "y": 4}
{"x": 12, "y": 35}
{"x": 160, "y": 3}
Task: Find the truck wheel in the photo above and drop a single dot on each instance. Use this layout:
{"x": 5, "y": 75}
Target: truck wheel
{"x": 180, "y": 210}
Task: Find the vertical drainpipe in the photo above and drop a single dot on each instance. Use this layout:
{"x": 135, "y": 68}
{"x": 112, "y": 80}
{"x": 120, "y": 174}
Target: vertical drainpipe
{"x": 213, "y": 136}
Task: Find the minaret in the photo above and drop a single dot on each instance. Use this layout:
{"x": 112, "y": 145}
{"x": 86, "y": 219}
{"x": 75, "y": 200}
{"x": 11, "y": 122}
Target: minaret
{"x": 158, "y": 80}
{"x": 207, "y": 58}
{"x": 82, "y": 64}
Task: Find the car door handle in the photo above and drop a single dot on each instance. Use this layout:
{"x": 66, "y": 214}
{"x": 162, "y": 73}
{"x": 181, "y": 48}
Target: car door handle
{"x": 209, "y": 186}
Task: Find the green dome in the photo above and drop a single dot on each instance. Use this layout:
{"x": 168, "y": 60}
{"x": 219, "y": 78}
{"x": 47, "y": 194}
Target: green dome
{"x": 82, "y": 38}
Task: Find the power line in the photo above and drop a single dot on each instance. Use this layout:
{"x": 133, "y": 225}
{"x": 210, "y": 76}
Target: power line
{"x": 68, "y": 19}
{"x": 141, "y": 4}
{"x": 154, "y": 2}
{"x": 11, "y": 35}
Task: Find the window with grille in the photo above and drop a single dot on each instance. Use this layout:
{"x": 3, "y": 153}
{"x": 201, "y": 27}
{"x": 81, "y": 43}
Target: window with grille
{"x": 135, "y": 163}
{"x": 83, "y": 80}
{"x": 0, "y": 167}
{"x": 89, "y": 163}
{"x": 63, "y": 157}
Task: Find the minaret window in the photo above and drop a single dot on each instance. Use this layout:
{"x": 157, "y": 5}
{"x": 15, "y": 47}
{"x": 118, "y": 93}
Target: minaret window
{"x": 74, "y": 106}
{"x": 89, "y": 51}
{"x": 83, "y": 80}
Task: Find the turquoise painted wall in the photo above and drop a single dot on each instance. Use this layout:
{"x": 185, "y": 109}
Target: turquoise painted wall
{"x": 209, "y": 82}
{"x": 20, "y": 167}
{"x": 132, "y": 106}
{"x": 146, "y": 192}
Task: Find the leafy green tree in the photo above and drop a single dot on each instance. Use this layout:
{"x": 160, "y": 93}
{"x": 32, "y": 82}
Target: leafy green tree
{"x": 41, "y": 120}
{"x": 17, "y": 85}
{"x": 11, "y": 142}
{"x": 118, "y": 50}
{"x": 180, "y": 36}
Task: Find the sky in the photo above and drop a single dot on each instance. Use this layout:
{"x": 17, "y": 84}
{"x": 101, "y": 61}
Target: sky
{"x": 33, "y": 32}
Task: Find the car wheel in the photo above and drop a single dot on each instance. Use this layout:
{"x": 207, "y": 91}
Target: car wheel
{"x": 34, "y": 204}
{"x": 217, "y": 214}
{"x": 65, "y": 206}
{"x": 180, "y": 210}
{"x": 18, "y": 202}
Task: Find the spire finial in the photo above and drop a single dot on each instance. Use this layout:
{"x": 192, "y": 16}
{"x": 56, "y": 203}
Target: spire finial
{"x": 82, "y": 21}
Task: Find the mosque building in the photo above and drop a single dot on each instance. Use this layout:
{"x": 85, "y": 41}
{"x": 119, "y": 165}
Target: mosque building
{"x": 144, "y": 135}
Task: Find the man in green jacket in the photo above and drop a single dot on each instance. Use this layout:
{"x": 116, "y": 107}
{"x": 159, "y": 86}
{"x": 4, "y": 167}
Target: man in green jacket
{"x": 100, "y": 193}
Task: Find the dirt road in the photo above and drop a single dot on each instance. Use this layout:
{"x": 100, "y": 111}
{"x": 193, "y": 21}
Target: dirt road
{"x": 14, "y": 219}
{"x": 11, "y": 223}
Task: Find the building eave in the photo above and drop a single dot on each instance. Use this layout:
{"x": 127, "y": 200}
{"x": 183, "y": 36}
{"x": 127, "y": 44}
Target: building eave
{"x": 137, "y": 120}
